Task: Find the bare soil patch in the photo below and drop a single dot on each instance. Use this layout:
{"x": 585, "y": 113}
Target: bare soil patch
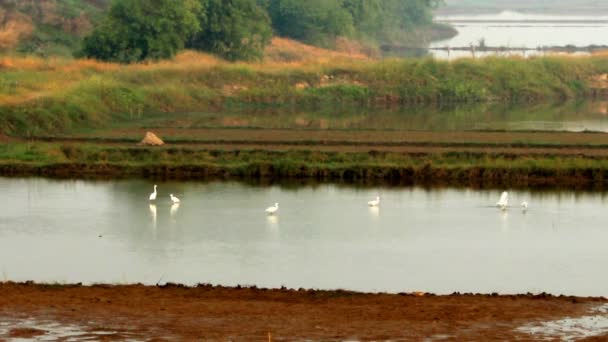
{"x": 25, "y": 333}
{"x": 217, "y": 313}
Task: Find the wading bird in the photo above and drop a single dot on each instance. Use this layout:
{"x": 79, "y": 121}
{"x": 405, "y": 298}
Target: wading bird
{"x": 375, "y": 202}
{"x": 272, "y": 210}
{"x": 503, "y": 202}
{"x": 524, "y": 205}
{"x": 174, "y": 199}
{"x": 153, "y": 195}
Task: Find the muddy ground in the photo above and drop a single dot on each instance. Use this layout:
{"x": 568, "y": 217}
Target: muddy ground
{"x": 355, "y": 137}
{"x": 249, "y": 314}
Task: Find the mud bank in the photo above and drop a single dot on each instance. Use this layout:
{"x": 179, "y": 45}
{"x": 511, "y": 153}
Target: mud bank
{"x": 207, "y": 312}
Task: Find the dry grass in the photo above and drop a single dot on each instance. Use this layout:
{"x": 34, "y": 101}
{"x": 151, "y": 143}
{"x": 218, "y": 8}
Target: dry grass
{"x": 13, "y": 29}
{"x": 277, "y": 54}
{"x": 289, "y": 51}
{"x": 60, "y": 74}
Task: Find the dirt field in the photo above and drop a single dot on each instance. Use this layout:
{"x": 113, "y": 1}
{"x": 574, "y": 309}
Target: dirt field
{"x": 213, "y": 313}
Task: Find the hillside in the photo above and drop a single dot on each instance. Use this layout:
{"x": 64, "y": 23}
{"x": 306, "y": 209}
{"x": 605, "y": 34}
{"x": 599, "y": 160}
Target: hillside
{"x": 56, "y": 28}
{"x": 50, "y": 27}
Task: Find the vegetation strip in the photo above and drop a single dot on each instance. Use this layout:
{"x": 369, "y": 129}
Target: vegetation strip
{"x": 371, "y": 144}
{"x": 453, "y": 168}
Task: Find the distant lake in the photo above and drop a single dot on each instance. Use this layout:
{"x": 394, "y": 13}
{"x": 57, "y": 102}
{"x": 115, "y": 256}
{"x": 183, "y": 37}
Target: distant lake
{"x": 517, "y": 30}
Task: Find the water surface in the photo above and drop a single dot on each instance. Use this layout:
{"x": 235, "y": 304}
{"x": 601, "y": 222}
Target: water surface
{"x": 324, "y": 237}
{"x": 569, "y": 116}
{"x": 518, "y": 30}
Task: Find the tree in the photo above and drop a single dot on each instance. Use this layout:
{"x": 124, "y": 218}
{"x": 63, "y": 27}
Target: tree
{"x": 367, "y": 15}
{"x": 312, "y": 21}
{"x": 233, "y": 29}
{"x": 136, "y": 30}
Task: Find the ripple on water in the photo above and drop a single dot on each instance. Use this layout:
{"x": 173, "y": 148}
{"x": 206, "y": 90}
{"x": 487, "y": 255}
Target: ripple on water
{"x": 571, "y": 329}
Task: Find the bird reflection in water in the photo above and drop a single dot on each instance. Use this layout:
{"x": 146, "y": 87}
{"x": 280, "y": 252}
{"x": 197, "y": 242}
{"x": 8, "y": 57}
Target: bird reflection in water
{"x": 504, "y": 220}
{"x": 153, "y": 214}
{"x": 272, "y": 222}
{"x": 174, "y": 209}
{"x": 374, "y": 211}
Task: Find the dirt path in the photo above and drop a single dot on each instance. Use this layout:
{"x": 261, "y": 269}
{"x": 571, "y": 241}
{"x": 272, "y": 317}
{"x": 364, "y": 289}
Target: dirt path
{"x": 208, "y": 313}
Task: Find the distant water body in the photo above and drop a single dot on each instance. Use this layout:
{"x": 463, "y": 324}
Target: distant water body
{"x": 522, "y": 30}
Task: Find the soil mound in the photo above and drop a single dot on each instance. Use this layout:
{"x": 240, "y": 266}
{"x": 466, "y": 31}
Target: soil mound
{"x": 151, "y": 140}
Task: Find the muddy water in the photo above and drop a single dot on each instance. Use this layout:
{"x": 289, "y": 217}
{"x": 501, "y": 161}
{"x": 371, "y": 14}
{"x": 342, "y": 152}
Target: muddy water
{"x": 324, "y": 237}
{"x": 518, "y": 30}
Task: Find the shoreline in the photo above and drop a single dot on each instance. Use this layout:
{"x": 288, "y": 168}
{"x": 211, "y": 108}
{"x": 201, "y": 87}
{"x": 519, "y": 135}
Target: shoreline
{"x": 87, "y": 94}
{"x": 476, "y": 177}
{"x": 219, "y": 313}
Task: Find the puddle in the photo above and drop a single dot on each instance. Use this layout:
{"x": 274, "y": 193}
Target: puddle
{"x": 571, "y": 329}
{"x": 22, "y": 330}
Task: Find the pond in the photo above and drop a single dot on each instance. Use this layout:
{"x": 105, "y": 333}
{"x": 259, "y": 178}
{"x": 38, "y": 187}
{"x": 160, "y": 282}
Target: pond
{"x": 522, "y": 30}
{"x": 323, "y": 237}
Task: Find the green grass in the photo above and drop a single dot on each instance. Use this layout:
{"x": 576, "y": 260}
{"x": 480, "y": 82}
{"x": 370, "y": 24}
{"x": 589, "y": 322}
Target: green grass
{"x": 445, "y": 168}
{"x": 59, "y": 96}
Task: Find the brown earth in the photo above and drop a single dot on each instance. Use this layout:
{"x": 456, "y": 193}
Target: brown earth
{"x": 370, "y": 137}
{"x": 248, "y": 314}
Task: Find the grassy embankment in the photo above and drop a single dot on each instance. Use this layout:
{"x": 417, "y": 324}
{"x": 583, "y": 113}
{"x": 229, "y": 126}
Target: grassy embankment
{"x": 55, "y": 96}
{"x": 455, "y": 168}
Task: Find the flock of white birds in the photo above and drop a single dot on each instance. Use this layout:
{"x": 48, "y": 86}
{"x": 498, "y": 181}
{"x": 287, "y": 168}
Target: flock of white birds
{"x": 153, "y": 195}
{"x": 503, "y": 202}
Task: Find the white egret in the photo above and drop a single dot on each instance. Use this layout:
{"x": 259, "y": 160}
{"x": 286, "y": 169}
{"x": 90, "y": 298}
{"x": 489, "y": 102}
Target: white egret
{"x": 174, "y": 199}
{"x": 375, "y": 202}
{"x": 153, "y": 195}
{"x": 503, "y": 202}
{"x": 272, "y": 210}
{"x": 524, "y": 205}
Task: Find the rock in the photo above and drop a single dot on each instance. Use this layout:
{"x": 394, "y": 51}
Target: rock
{"x": 151, "y": 140}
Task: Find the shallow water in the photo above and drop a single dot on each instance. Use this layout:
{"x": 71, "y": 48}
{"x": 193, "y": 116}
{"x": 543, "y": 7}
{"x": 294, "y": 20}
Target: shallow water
{"x": 41, "y": 330}
{"x": 517, "y": 30}
{"x": 324, "y": 237}
{"x": 571, "y": 329}
{"x": 576, "y": 117}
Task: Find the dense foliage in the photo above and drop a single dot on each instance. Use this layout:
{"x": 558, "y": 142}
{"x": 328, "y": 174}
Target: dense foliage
{"x": 233, "y": 29}
{"x": 136, "y": 30}
{"x": 318, "y": 21}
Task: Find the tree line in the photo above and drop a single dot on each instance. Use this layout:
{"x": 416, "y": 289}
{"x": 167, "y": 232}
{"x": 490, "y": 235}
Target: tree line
{"x": 136, "y": 30}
